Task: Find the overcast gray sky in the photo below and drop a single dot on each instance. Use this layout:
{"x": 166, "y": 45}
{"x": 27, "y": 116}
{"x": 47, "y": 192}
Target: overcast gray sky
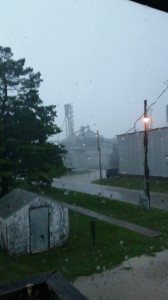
{"x": 103, "y": 56}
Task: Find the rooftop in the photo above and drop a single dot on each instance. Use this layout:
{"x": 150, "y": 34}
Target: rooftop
{"x": 13, "y": 201}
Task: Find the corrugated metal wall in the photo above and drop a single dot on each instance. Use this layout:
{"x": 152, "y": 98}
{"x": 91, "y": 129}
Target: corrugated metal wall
{"x": 131, "y": 152}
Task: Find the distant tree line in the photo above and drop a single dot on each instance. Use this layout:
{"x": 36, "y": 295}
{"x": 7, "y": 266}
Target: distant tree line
{"x": 25, "y": 126}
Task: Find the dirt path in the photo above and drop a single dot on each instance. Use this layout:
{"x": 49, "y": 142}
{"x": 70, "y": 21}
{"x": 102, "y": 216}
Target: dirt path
{"x": 143, "y": 278}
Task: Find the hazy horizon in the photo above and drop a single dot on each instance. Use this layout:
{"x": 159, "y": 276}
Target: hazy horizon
{"x": 103, "y": 57}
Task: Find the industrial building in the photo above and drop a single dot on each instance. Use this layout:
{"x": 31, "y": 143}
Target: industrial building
{"x": 86, "y": 149}
{"x": 131, "y": 152}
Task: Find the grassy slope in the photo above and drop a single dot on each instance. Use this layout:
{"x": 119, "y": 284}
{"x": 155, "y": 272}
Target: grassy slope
{"x": 155, "y": 184}
{"x": 154, "y": 218}
{"x": 80, "y": 256}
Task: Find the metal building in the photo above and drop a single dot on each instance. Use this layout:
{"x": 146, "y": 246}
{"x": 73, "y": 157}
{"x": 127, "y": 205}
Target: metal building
{"x": 31, "y": 223}
{"x": 131, "y": 152}
{"x": 82, "y": 150}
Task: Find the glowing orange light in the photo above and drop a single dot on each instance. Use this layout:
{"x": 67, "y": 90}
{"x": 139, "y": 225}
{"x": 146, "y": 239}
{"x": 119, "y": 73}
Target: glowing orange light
{"x": 146, "y": 120}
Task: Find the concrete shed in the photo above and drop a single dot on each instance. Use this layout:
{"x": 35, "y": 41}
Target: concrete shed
{"x": 31, "y": 223}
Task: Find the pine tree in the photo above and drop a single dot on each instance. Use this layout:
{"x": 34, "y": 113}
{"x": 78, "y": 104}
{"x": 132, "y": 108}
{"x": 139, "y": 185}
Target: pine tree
{"x": 25, "y": 126}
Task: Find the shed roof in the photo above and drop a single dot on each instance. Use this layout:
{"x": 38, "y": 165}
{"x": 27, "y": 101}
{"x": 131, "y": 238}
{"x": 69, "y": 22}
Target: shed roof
{"x": 13, "y": 201}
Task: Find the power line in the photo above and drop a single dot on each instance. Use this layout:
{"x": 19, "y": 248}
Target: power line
{"x": 153, "y": 103}
{"x": 158, "y": 97}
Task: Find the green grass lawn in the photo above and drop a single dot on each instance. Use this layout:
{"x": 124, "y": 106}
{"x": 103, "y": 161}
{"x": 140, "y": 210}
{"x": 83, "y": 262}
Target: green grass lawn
{"x": 153, "y": 218}
{"x": 159, "y": 185}
{"x": 80, "y": 256}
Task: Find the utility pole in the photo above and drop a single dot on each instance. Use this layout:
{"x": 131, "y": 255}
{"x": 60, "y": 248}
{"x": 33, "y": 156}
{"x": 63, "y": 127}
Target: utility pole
{"x": 146, "y": 168}
{"x": 99, "y": 150}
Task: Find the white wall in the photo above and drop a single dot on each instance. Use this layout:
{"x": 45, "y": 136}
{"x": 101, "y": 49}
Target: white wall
{"x": 131, "y": 152}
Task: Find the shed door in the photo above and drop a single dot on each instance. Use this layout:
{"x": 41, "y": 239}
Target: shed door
{"x": 39, "y": 239}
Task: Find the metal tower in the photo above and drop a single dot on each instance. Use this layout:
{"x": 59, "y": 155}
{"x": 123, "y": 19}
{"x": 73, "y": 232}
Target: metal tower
{"x": 69, "y": 121}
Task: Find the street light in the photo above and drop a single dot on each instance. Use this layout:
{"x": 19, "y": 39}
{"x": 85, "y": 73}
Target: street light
{"x": 146, "y": 168}
{"x": 99, "y": 150}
